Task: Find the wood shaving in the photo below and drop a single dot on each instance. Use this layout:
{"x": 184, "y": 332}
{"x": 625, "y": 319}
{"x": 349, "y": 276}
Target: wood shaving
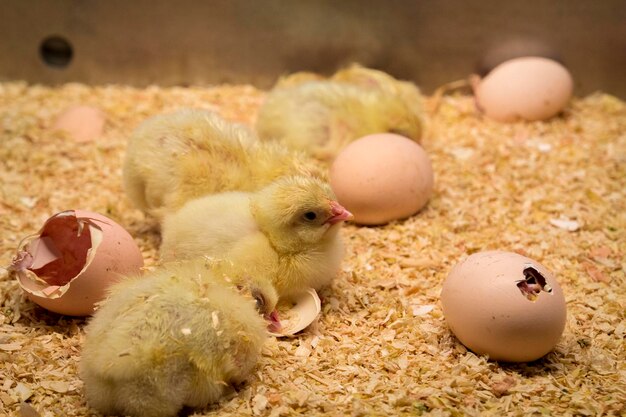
{"x": 565, "y": 224}
{"x": 381, "y": 345}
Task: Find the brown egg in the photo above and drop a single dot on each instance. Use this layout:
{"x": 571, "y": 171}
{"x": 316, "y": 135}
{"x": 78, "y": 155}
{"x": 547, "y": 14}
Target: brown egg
{"x": 83, "y": 123}
{"x": 504, "y": 305}
{"x": 382, "y": 177}
{"x": 527, "y": 88}
{"x": 68, "y": 266}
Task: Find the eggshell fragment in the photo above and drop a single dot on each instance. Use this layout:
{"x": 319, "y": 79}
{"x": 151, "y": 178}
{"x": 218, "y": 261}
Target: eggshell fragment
{"x": 527, "y": 88}
{"x": 504, "y": 305}
{"x": 382, "y": 177}
{"x": 68, "y": 266}
{"x": 83, "y": 123}
{"x": 305, "y": 310}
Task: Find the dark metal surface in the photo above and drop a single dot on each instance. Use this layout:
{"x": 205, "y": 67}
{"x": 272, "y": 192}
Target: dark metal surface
{"x": 245, "y": 41}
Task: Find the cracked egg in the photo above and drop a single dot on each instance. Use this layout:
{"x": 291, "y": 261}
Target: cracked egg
{"x": 504, "y": 305}
{"x": 69, "y": 264}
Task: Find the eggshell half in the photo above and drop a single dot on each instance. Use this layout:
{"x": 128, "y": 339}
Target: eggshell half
{"x": 305, "y": 310}
{"x": 495, "y": 304}
{"x": 527, "y": 88}
{"x": 68, "y": 266}
{"x": 382, "y": 177}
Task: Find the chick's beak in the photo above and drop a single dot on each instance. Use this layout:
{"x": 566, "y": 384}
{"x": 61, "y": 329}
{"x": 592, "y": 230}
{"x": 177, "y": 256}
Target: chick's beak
{"x": 274, "y": 325}
{"x": 338, "y": 213}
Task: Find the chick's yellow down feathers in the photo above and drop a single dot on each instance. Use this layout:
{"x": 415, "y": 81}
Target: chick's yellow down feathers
{"x": 175, "y": 157}
{"x": 289, "y": 229}
{"x": 179, "y": 336}
{"x": 321, "y": 117}
{"x": 380, "y": 80}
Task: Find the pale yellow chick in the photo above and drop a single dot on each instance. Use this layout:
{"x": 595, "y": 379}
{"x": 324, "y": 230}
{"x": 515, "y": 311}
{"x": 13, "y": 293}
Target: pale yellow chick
{"x": 290, "y": 229}
{"x": 380, "y": 80}
{"x": 182, "y": 335}
{"x": 321, "y": 117}
{"x": 297, "y": 78}
{"x": 175, "y": 157}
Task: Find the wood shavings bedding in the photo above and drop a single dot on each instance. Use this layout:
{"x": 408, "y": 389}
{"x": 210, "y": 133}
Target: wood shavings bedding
{"x": 553, "y": 191}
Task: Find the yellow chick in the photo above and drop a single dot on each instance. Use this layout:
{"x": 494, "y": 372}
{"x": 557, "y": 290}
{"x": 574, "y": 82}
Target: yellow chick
{"x": 380, "y": 80}
{"x": 172, "y": 158}
{"x": 321, "y": 117}
{"x": 298, "y": 78}
{"x": 290, "y": 229}
{"x": 182, "y": 335}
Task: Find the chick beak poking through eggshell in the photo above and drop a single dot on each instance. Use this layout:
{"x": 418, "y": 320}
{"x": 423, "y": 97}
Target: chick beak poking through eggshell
{"x": 76, "y": 255}
{"x": 338, "y": 213}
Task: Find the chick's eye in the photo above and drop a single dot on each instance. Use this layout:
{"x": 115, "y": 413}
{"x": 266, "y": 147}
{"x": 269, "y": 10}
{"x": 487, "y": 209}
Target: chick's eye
{"x": 260, "y": 301}
{"x": 310, "y": 215}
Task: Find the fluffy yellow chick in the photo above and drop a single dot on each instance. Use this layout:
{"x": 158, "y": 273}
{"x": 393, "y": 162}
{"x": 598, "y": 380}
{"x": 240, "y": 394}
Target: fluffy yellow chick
{"x": 368, "y": 78}
{"x": 297, "y": 78}
{"x": 380, "y": 80}
{"x": 290, "y": 229}
{"x": 321, "y": 117}
{"x": 180, "y": 336}
{"x": 172, "y": 158}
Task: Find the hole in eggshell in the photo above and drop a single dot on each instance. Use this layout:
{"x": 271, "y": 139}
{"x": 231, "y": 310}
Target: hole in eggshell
{"x": 533, "y": 283}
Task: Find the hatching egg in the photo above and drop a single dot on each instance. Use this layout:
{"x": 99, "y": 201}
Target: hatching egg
{"x": 526, "y": 88}
{"x": 382, "y": 177}
{"x": 504, "y": 305}
{"x": 69, "y": 264}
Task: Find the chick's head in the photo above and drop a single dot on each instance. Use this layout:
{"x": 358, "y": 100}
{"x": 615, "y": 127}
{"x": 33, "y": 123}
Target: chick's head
{"x": 266, "y": 298}
{"x": 251, "y": 282}
{"x": 262, "y": 292}
{"x": 297, "y": 213}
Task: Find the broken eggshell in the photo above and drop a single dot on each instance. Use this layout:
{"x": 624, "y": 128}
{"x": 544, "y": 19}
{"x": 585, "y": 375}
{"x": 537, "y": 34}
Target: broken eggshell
{"x": 304, "y": 311}
{"x": 504, "y": 305}
{"x": 69, "y": 264}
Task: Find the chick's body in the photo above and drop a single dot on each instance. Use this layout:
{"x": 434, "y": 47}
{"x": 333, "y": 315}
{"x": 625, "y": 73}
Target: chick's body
{"x": 321, "y": 117}
{"x": 172, "y": 158}
{"x": 380, "y": 80}
{"x": 179, "y": 336}
{"x": 289, "y": 229}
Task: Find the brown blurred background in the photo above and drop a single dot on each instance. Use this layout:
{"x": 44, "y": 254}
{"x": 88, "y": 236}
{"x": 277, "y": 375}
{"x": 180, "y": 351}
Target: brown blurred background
{"x": 244, "y": 41}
